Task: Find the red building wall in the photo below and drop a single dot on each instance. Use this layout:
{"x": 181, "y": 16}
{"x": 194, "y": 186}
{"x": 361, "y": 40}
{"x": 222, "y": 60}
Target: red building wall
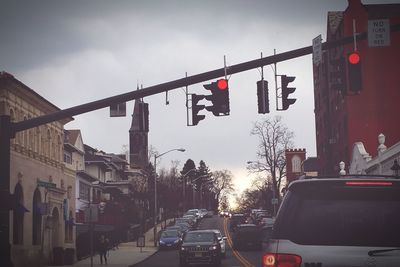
{"x": 342, "y": 118}
{"x": 375, "y": 109}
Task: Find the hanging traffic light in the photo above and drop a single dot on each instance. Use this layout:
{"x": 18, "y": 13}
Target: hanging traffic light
{"x": 354, "y": 72}
{"x": 286, "y": 91}
{"x": 219, "y": 97}
{"x": 196, "y": 108}
{"x": 337, "y": 74}
{"x": 262, "y": 97}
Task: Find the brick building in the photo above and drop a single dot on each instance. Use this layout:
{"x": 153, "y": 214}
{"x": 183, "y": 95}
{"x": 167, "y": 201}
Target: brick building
{"x": 342, "y": 117}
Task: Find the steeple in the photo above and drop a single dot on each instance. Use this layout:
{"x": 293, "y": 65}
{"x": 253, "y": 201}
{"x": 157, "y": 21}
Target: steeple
{"x": 138, "y": 135}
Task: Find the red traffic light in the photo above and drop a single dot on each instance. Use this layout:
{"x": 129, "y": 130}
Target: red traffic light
{"x": 222, "y": 84}
{"x": 354, "y": 58}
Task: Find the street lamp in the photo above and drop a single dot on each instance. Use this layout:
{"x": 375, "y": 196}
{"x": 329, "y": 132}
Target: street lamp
{"x": 155, "y": 190}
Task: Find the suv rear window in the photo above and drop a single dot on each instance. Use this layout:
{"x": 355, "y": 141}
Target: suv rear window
{"x": 345, "y": 216}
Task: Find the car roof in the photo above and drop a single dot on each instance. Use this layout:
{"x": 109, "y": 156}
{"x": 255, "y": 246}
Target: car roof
{"x": 247, "y": 225}
{"x": 202, "y": 231}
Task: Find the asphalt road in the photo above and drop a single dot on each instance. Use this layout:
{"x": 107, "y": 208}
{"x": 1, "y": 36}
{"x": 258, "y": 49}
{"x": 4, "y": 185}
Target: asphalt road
{"x": 233, "y": 258}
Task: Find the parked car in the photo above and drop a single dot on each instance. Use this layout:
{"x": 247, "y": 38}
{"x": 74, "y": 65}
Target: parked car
{"x": 170, "y": 239}
{"x": 347, "y": 221}
{"x": 175, "y": 227}
{"x": 235, "y": 220}
{"x": 222, "y": 240}
{"x": 246, "y": 236}
{"x": 200, "y": 246}
{"x": 266, "y": 221}
{"x": 184, "y": 226}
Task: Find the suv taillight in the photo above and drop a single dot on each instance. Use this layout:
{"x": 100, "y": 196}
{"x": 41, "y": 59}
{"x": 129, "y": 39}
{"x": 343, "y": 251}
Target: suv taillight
{"x": 281, "y": 260}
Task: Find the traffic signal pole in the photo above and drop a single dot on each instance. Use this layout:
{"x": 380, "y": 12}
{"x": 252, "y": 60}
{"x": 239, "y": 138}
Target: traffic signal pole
{"x": 8, "y": 129}
{"x": 163, "y": 87}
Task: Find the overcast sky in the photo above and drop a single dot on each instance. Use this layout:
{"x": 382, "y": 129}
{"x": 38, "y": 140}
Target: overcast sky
{"x": 74, "y": 52}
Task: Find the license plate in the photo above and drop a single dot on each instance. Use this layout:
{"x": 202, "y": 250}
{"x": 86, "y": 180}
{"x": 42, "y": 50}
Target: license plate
{"x": 198, "y": 254}
{"x": 169, "y": 245}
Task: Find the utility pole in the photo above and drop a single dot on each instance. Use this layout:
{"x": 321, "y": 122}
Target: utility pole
{"x": 6, "y": 200}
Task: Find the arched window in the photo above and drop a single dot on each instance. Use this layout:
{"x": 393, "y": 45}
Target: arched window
{"x": 58, "y": 148}
{"x": 25, "y": 136}
{"x": 31, "y": 137}
{"x": 296, "y": 164}
{"x": 36, "y": 218}
{"x": 48, "y": 143}
{"x": 18, "y": 216}
{"x": 37, "y": 140}
{"x": 12, "y": 118}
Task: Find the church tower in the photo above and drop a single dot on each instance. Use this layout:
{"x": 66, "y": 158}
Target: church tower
{"x": 138, "y": 135}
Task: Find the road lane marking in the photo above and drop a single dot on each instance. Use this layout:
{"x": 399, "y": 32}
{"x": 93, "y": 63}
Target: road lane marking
{"x": 242, "y": 259}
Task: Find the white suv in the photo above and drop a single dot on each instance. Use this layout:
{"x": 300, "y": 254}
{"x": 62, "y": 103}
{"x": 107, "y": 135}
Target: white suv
{"x": 349, "y": 221}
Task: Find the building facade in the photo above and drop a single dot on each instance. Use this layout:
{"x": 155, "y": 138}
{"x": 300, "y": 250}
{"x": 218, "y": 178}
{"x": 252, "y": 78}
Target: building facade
{"x": 386, "y": 162}
{"x": 342, "y": 117}
{"x": 42, "y": 184}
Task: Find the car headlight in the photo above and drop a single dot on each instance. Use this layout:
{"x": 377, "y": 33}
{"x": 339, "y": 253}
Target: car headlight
{"x": 213, "y": 248}
{"x": 183, "y": 249}
{"x": 176, "y": 241}
{"x": 162, "y": 242}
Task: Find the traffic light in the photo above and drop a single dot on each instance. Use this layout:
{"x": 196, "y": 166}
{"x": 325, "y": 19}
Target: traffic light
{"x": 286, "y": 91}
{"x": 219, "y": 97}
{"x": 196, "y": 108}
{"x": 262, "y": 97}
{"x": 337, "y": 74}
{"x": 354, "y": 72}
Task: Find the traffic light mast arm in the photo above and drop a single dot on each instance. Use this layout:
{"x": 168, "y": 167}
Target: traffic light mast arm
{"x": 156, "y": 89}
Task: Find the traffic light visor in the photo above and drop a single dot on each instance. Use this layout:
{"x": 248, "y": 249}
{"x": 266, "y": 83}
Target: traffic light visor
{"x": 354, "y": 58}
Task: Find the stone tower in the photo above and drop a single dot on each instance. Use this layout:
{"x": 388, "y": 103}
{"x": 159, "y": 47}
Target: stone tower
{"x": 138, "y": 135}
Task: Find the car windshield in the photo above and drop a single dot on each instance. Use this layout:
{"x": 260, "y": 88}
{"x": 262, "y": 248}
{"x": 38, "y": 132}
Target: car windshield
{"x": 199, "y": 237}
{"x": 170, "y": 234}
{"x": 352, "y": 217}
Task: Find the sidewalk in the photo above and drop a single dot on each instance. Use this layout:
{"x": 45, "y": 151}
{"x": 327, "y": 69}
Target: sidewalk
{"x": 126, "y": 255}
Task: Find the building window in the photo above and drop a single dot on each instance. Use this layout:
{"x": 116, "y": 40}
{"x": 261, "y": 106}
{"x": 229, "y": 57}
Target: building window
{"x": 58, "y": 148}
{"x": 36, "y": 218}
{"x": 18, "y": 217}
{"x": 67, "y": 157}
{"x": 68, "y": 231}
{"x": 48, "y": 143}
{"x": 84, "y": 191}
{"x": 12, "y": 119}
{"x": 296, "y": 164}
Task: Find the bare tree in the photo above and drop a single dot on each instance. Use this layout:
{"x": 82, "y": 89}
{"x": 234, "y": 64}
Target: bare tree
{"x": 274, "y": 138}
{"x": 222, "y": 183}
